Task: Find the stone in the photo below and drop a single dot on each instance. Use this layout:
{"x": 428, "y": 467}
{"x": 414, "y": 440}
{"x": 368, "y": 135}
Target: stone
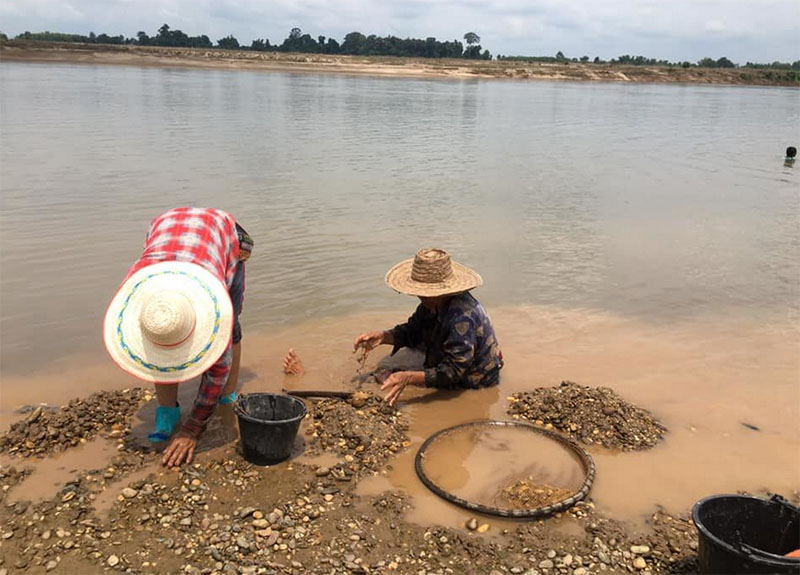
{"x": 640, "y": 549}
{"x": 567, "y": 560}
{"x": 639, "y": 563}
{"x": 129, "y": 493}
{"x": 546, "y": 564}
{"x": 483, "y": 528}
{"x": 328, "y": 497}
{"x": 472, "y": 524}
{"x": 322, "y": 471}
{"x": 50, "y": 565}
{"x": 113, "y": 561}
{"x": 580, "y": 571}
{"x": 260, "y": 523}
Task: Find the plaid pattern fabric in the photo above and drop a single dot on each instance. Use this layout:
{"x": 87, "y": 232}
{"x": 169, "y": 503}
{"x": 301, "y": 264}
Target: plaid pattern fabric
{"x": 206, "y": 237}
{"x": 461, "y": 349}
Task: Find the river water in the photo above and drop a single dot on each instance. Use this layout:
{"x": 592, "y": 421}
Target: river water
{"x": 643, "y": 237}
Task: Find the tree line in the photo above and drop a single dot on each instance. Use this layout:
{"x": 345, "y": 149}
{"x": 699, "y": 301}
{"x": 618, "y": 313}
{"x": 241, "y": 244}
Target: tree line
{"x": 629, "y": 60}
{"x": 354, "y": 43}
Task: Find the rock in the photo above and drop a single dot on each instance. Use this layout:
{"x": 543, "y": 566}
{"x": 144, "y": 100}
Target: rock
{"x": 328, "y": 497}
{"x": 242, "y": 543}
{"x": 551, "y": 554}
{"x": 113, "y": 561}
{"x": 359, "y": 399}
{"x": 639, "y": 563}
{"x": 260, "y": 523}
{"x": 580, "y": 571}
{"x": 546, "y": 564}
{"x": 567, "y": 560}
{"x": 483, "y": 528}
{"x": 517, "y": 570}
{"x": 129, "y": 493}
{"x": 247, "y": 512}
{"x": 272, "y": 539}
{"x": 50, "y": 565}
{"x": 472, "y": 524}
{"x": 640, "y": 549}
{"x": 322, "y": 471}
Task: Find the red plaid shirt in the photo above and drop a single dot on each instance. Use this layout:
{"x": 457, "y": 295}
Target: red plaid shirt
{"x": 206, "y": 237}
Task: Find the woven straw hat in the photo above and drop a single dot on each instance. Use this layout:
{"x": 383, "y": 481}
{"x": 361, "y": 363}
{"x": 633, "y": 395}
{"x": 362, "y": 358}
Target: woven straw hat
{"x": 432, "y": 273}
{"x": 169, "y": 322}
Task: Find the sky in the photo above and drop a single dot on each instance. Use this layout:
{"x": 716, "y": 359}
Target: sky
{"x": 675, "y": 30}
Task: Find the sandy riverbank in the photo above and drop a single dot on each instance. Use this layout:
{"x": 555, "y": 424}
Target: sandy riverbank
{"x": 21, "y": 51}
{"x": 355, "y": 506}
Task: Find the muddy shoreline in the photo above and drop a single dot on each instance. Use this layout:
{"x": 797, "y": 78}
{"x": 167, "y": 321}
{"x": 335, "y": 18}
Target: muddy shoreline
{"x": 224, "y": 516}
{"x": 28, "y": 51}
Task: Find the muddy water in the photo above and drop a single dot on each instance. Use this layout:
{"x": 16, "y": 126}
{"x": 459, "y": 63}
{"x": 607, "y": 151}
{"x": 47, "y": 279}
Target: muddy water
{"x": 477, "y": 463}
{"x": 703, "y": 380}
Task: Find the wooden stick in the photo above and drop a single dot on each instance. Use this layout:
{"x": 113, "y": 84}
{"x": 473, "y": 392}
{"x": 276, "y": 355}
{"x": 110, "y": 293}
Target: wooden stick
{"x": 319, "y": 393}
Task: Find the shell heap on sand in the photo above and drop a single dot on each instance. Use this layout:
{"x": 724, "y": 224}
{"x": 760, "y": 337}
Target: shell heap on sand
{"x": 591, "y": 415}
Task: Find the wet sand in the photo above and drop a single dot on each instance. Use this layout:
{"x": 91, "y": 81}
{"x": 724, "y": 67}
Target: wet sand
{"x": 704, "y": 381}
{"x": 27, "y": 51}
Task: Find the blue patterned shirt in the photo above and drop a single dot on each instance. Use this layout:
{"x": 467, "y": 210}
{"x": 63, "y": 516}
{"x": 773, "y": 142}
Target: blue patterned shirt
{"x": 461, "y": 349}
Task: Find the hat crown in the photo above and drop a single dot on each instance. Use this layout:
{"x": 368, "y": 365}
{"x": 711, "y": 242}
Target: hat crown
{"x": 431, "y": 265}
{"x": 167, "y": 318}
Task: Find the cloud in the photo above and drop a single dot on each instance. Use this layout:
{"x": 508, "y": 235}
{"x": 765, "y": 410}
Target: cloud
{"x": 755, "y": 30}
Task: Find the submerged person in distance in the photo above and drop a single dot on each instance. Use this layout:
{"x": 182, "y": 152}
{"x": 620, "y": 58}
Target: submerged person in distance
{"x": 791, "y": 154}
{"x": 450, "y": 326}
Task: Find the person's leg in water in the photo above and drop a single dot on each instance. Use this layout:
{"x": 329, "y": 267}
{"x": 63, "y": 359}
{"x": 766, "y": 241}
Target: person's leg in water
{"x": 229, "y": 395}
{"x": 168, "y": 412}
{"x": 292, "y": 364}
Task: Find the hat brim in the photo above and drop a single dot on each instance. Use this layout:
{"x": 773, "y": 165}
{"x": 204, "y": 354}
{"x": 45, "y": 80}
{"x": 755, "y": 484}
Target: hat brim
{"x": 147, "y": 361}
{"x": 462, "y": 279}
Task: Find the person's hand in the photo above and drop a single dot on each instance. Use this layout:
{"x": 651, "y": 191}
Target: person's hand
{"x": 368, "y": 341}
{"x": 181, "y": 448}
{"x": 396, "y": 383}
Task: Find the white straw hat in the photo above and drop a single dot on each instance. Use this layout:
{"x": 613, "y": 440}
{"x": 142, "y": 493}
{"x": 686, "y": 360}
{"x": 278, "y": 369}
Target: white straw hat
{"x": 169, "y": 322}
{"x": 432, "y": 273}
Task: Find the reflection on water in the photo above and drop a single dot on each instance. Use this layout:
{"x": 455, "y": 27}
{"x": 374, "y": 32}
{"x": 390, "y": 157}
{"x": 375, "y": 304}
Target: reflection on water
{"x": 659, "y": 202}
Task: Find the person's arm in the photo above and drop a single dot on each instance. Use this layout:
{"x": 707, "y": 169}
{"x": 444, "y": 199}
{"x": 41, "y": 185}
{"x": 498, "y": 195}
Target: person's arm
{"x": 212, "y": 383}
{"x": 408, "y": 334}
{"x": 211, "y": 386}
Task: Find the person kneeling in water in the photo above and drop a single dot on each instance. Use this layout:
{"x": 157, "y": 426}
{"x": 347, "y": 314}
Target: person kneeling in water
{"x": 449, "y": 325}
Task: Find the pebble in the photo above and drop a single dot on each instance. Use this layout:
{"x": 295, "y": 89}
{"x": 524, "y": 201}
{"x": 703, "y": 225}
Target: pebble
{"x": 640, "y": 549}
{"x": 129, "y": 493}
{"x": 50, "y": 565}
{"x": 328, "y": 497}
{"x": 113, "y": 561}
{"x": 580, "y": 571}
{"x": 483, "y": 528}
{"x": 551, "y": 554}
{"x": 322, "y": 471}
{"x": 260, "y": 523}
{"x": 258, "y": 515}
{"x": 472, "y": 524}
{"x": 242, "y": 543}
{"x": 639, "y": 563}
{"x": 546, "y": 564}
{"x": 567, "y": 560}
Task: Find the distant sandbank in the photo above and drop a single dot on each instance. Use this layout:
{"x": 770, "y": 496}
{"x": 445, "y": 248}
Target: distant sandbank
{"x": 27, "y": 51}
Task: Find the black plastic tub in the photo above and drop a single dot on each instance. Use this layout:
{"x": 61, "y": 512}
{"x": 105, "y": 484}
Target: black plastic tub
{"x": 268, "y": 425}
{"x": 742, "y": 534}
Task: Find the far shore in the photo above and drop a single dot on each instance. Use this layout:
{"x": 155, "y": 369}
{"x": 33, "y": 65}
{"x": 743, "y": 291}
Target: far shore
{"x": 29, "y": 51}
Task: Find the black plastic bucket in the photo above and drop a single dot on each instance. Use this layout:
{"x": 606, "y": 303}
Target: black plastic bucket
{"x": 742, "y": 534}
{"x": 268, "y": 424}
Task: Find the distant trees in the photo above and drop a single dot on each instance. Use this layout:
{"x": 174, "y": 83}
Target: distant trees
{"x": 228, "y": 43}
{"x": 356, "y": 43}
